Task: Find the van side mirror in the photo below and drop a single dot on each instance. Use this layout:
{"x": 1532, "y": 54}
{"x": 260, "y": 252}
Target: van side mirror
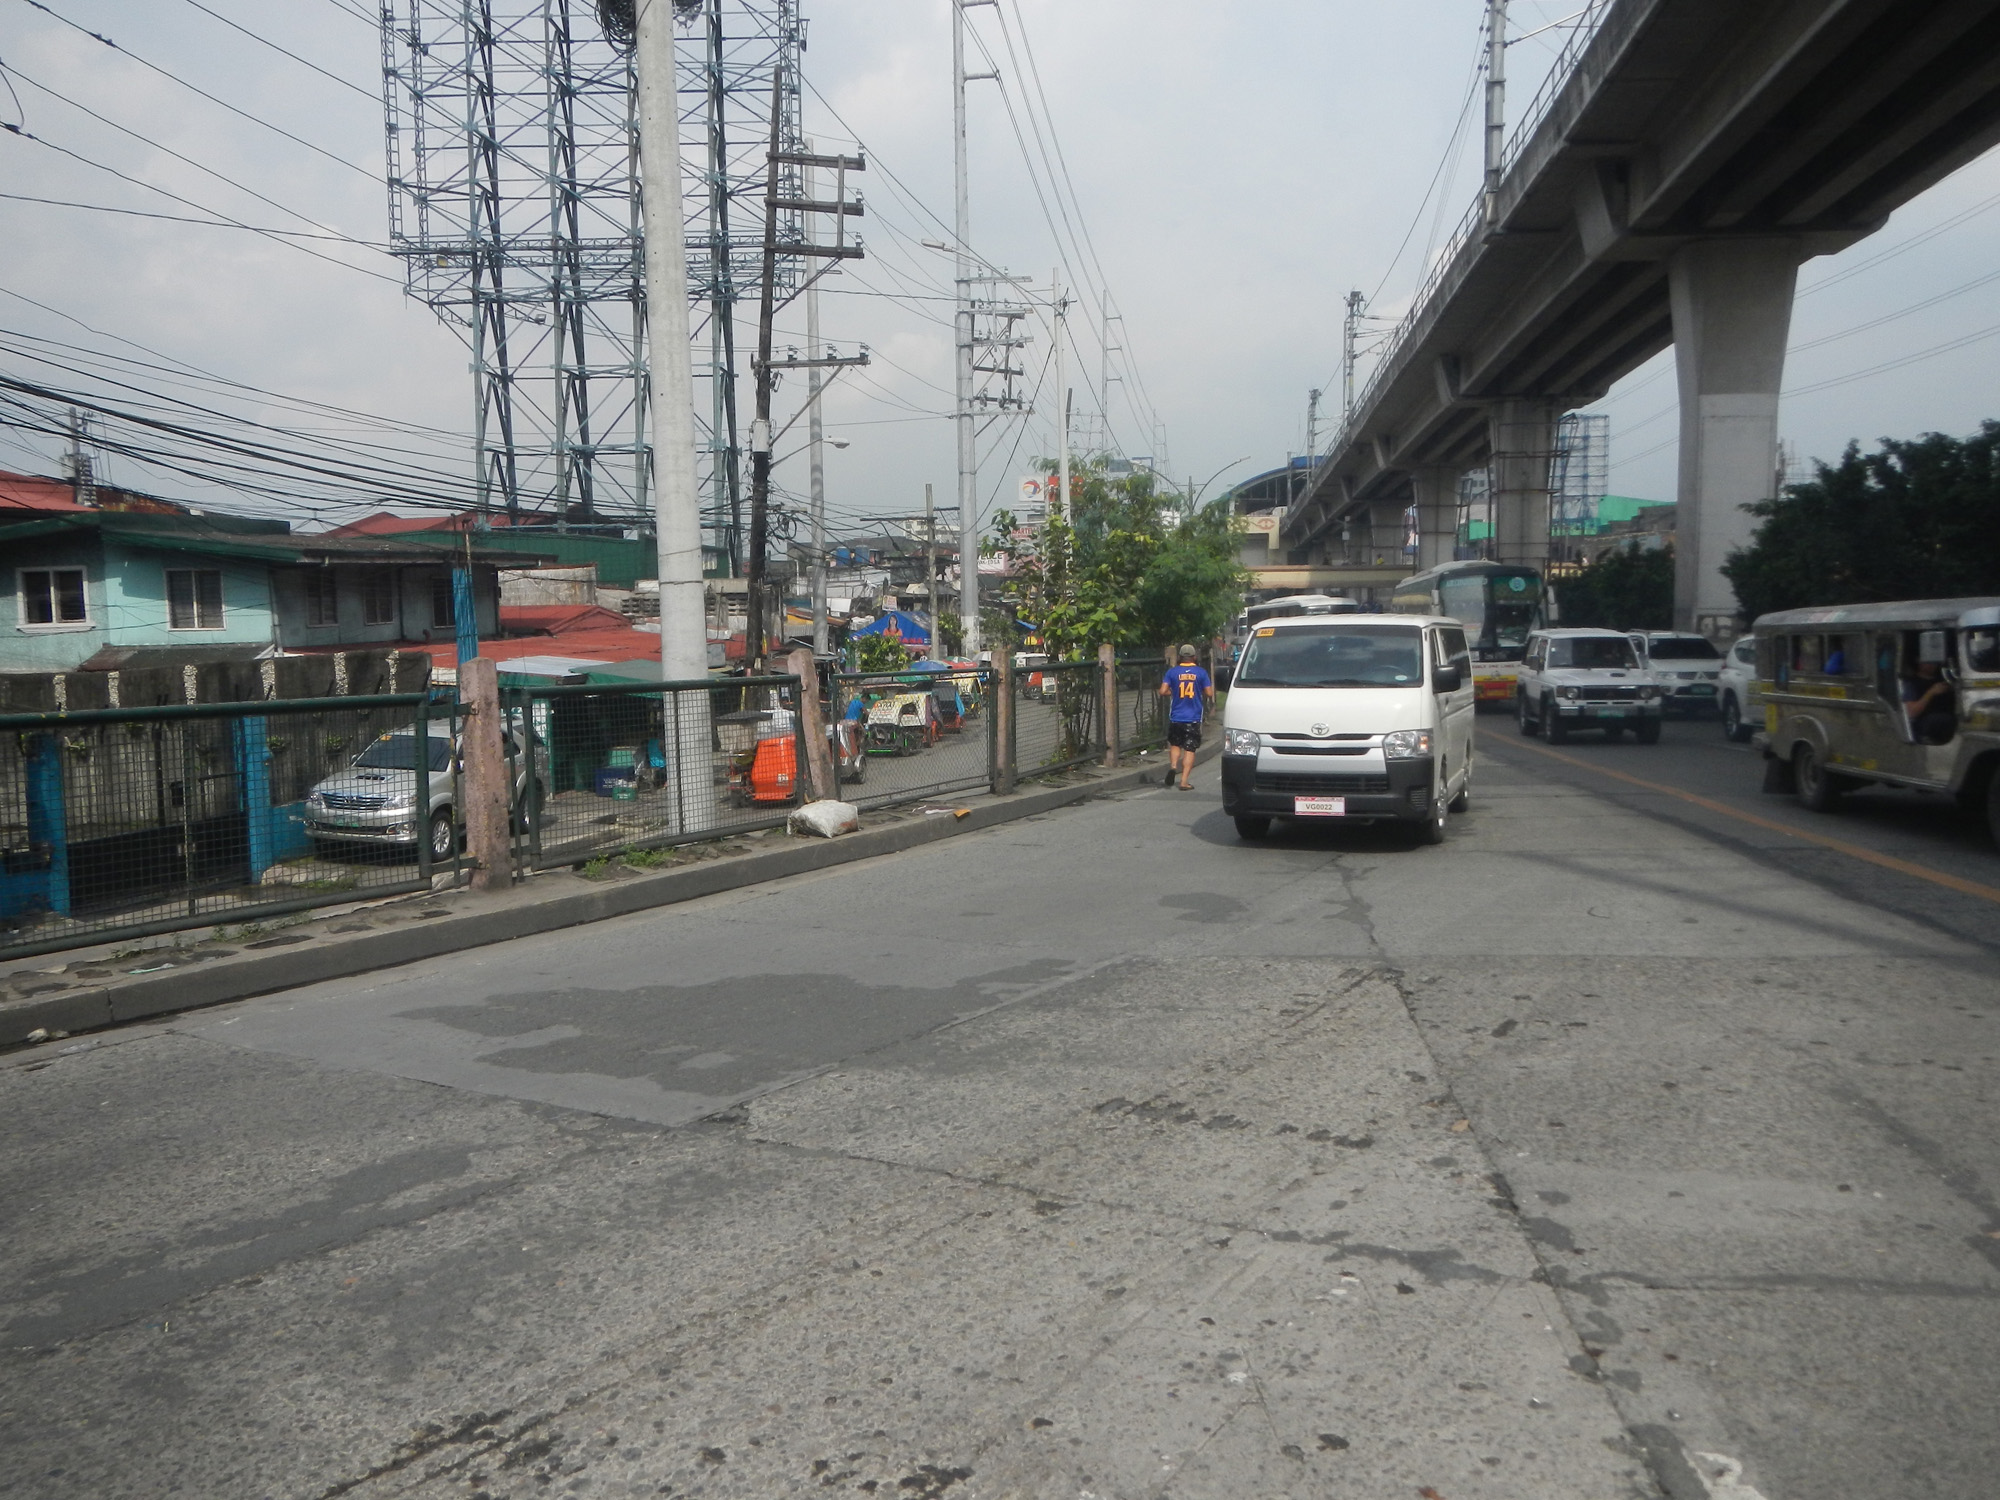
{"x": 1447, "y": 679}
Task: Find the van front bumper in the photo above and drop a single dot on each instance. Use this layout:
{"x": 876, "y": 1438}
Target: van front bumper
{"x": 1399, "y": 789}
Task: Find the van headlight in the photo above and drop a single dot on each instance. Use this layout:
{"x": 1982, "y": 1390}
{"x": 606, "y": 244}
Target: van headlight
{"x": 1568, "y": 692}
{"x": 1404, "y": 744}
{"x": 1240, "y": 741}
{"x": 1649, "y": 693}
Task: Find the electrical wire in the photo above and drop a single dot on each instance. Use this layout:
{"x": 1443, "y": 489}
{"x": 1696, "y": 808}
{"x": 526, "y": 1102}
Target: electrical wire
{"x": 275, "y": 238}
{"x": 346, "y": 83}
{"x": 204, "y": 93}
{"x": 140, "y": 213}
{"x": 149, "y": 142}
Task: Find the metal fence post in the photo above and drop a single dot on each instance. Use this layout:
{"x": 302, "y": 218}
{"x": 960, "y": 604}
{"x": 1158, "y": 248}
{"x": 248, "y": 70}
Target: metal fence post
{"x": 485, "y": 775}
{"x": 814, "y": 762}
{"x": 1107, "y": 689}
{"x": 421, "y": 808}
{"x": 1000, "y": 724}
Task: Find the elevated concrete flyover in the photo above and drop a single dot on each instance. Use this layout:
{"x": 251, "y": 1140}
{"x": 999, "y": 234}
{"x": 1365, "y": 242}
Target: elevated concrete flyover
{"x": 1682, "y": 161}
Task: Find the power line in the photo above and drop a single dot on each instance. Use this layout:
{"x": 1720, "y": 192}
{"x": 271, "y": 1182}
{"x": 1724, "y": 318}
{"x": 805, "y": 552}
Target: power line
{"x": 204, "y": 93}
{"x": 222, "y": 380}
{"x": 1900, "y": 248}
{"x": 140, "y": 213}
{"x": 276, "y": 238}
{"x": 148, "y": 141}
{"x": 345, "y": 83}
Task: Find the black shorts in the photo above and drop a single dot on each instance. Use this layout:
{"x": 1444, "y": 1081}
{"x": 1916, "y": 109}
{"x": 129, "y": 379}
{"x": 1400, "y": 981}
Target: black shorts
{"x": 1184, "y": 736}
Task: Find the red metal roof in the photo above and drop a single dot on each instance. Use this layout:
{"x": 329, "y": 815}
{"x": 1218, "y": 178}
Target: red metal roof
{"x": 586, "y": 631}
{"x": 32, "y": 492}
{"x": 387, "y": 523}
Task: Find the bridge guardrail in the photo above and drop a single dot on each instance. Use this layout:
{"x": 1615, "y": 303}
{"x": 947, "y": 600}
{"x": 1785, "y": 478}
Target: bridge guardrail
{"x": 1470, "y": 225}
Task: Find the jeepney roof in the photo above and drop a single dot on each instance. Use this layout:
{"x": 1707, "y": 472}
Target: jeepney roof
{"x": 1910, "y": 613}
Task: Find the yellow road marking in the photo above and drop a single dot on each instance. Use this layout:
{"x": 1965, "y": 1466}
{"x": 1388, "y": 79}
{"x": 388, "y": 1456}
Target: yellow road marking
{"x": 1854, "y": 851}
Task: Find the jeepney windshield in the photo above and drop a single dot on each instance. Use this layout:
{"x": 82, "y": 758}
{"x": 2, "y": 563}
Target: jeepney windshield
{"x": 1982, "y": 649}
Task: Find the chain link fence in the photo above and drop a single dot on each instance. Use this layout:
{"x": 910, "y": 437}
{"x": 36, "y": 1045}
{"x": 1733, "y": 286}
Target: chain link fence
{"x": 1058, "y": 720}
{"x": 902, "y": 736}
{"x": 129, "y": 822}
{"x": 1142, "y": 712}
{"x": 132, "y": 822}
{"x": 600, "y": 770}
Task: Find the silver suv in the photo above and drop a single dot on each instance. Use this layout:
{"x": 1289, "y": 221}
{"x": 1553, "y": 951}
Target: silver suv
{"x": 374, "y": 800}
{"x": 1687, "y": 667}
{"x": 1586, "y": 679}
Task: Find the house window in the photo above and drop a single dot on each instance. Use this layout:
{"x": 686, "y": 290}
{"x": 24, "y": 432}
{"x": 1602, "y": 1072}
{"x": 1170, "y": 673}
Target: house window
{"x": 322, "y": 598}
{"x": 194, "y": 599}
{"x": 443, "y": 614}
{"x": 53, "y": 596}
{"x": 378, "y": 596}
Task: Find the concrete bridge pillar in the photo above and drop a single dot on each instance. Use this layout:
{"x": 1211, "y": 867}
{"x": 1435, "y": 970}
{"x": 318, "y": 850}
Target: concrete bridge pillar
{"x": 1732, "y": 310}
{"x": 1385, "y": 533}
{"x": 1436, "y": 492}
{"x": 1521, "y": 431}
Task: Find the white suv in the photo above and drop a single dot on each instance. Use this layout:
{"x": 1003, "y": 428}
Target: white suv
{"x": 1742, "y": 705}
{"x": 1686, "y": 667}
{"x": 1586, "y": 679}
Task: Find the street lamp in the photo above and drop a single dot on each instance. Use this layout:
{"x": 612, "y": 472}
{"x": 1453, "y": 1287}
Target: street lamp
{"x": 1194, "y": 500}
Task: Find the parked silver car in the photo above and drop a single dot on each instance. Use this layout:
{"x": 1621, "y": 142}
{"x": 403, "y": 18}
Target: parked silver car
{"x": 374, "y": 800}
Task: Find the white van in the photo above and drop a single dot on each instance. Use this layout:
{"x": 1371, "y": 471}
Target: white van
{"x": 1359, "y": 718}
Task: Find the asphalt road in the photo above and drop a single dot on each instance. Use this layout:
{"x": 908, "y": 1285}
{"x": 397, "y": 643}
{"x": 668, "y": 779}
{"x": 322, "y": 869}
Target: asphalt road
{"x": 1600, "y": 1152}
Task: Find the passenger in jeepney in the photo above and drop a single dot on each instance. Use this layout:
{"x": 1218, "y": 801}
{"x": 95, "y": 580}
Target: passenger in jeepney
{"x": 1927, "y": 699}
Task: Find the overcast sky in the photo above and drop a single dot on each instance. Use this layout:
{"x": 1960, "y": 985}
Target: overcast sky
{"x": 1238, "y": 169}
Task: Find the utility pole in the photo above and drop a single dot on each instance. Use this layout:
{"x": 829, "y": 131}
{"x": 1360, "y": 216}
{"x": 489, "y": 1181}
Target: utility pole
{"x": 82, "y": 471}
{"x": 930, "y": 569}
{"x": 1312, "y": 440}
{"x": 762, "y": 439}
{"x": 968, "y": 456}
{"x": 817, "y": 439}
{"x": 727, "y": 476}
{"x": 1350, "y": 332}
{"x": 1496, "y": 105}
{"x": 760, "y": 425}
{"x": 1061, "y": 308}
{"x": 1104, "y": 375}
{"x": 676, "y": 501}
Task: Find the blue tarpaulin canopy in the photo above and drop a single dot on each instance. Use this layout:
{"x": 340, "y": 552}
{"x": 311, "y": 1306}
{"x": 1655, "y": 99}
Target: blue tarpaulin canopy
{"x": 899, "y": 626}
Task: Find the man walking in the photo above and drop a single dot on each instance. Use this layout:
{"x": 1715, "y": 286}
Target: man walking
{"x": 1189, "y": 695}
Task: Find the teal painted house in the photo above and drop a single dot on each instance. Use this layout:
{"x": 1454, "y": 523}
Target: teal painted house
{"x": 79, "y": 588}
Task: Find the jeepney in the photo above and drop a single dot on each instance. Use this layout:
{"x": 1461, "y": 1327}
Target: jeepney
{"x": 1833, "y": 683}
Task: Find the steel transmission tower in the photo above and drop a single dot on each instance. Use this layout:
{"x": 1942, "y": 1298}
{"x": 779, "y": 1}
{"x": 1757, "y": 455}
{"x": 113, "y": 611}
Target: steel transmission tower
{"x": 514, "y": 203}
{"x": 1579, "y": 472}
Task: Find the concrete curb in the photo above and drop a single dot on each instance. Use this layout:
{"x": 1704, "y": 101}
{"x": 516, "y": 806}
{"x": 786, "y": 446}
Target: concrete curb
{"x": 521, "y": 912}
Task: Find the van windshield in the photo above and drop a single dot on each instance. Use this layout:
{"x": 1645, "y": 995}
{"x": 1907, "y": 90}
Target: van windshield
{"x": 1333, "y": 656}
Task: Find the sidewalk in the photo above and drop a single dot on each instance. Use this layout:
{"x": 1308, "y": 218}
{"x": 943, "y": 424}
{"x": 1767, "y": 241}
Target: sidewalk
{"x": 110, "y": 984}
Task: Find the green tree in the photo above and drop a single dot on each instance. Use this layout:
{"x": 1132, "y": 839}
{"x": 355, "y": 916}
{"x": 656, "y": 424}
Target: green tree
{"x": 879, "y": 653}
{"x": 1916, "y": 519}
{"x": 1126, "y": 565}
{"x": 1623, "y": 590}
